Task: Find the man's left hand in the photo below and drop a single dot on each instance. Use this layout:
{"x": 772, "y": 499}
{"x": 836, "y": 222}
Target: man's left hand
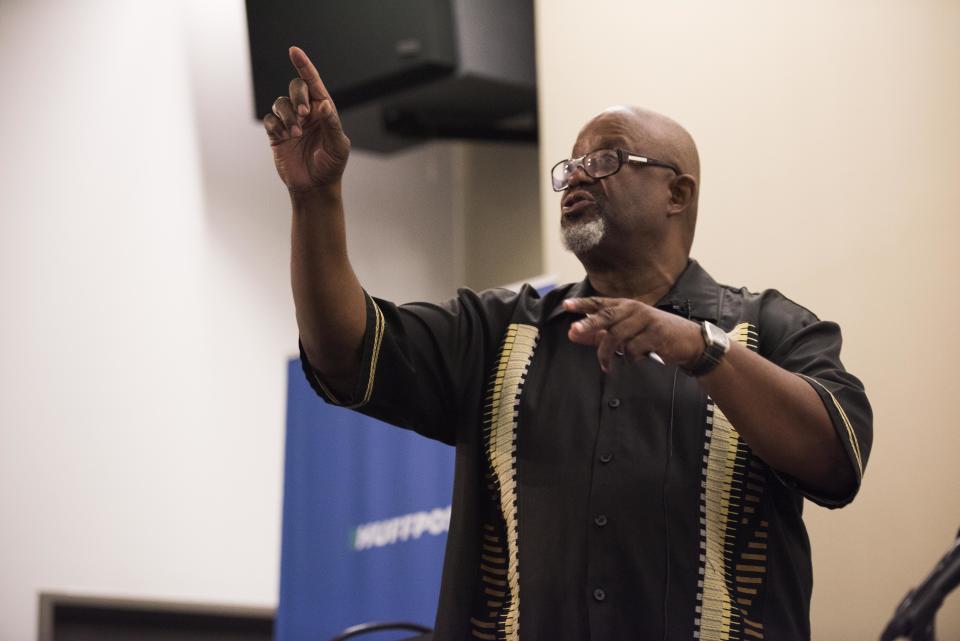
{"x": 634, "y": 329}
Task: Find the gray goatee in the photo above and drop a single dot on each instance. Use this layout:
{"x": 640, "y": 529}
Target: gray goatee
{"x": 583, "y": 237}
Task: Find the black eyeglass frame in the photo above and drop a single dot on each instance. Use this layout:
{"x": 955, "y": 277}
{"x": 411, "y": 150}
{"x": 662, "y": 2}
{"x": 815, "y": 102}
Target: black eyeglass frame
{"x": 623, "y": 156}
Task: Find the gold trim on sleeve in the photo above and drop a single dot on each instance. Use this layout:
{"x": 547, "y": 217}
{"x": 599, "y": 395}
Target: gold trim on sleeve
{"x": 378, "y": 331}
{"x": 846, "y": 421}
{"x": 375, "y": 357}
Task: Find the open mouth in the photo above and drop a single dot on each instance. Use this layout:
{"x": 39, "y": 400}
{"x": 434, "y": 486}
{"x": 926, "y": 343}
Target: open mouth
{"x": 576, "y": 203}
{"x": 577, "y": 209}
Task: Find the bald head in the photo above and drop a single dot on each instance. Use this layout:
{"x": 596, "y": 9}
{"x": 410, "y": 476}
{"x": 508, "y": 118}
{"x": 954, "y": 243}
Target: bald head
{"x": 654, "y": 134}
{"x": 657, "y": 136}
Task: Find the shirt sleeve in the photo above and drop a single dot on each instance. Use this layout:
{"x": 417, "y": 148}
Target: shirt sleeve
{"x": 423, "y": 364}
{"x": 796, "y": 340}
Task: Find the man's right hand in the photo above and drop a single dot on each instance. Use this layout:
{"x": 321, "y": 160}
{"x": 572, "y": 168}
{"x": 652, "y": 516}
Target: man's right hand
{"x": 309, "y": 146}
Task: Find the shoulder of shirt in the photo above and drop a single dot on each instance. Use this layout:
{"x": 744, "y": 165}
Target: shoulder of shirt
{"x": 769, "y": 301}
{"x": 524, "y": 305}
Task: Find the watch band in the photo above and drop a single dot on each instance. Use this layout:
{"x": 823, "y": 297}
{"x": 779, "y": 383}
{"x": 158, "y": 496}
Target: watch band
{"x": 716, "y": 345}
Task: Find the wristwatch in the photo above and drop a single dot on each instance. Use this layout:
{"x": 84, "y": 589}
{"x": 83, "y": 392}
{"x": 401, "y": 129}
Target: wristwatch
{"x": 716, "y": 344}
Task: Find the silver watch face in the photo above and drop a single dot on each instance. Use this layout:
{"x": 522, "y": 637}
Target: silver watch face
{"x": 716, "y": 336}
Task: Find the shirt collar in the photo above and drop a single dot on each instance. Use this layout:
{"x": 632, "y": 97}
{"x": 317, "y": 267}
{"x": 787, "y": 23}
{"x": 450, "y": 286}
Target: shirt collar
{"x": 694, "y": 294}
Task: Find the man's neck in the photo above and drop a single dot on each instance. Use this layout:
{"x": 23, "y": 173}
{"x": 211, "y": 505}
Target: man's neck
{"x": 645, "y": 283}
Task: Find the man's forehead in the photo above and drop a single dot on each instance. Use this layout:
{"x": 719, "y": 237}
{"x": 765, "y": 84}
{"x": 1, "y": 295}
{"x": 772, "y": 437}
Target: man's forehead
{"x": 612, "y": 128}
{"x": 640, "y": 131}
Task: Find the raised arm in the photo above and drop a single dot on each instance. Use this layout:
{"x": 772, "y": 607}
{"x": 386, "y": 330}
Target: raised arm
{"x": 310, "y": 150}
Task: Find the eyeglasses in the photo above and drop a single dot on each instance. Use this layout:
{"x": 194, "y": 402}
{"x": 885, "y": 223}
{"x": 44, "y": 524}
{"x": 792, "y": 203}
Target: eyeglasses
{"x": 600, "y": 164}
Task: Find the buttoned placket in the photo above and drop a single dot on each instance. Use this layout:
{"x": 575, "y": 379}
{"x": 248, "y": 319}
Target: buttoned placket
{"x": 602, "y": 512}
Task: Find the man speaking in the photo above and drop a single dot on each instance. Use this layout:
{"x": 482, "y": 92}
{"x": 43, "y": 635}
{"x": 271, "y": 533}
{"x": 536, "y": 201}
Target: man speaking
{"x": 633, "y": 450}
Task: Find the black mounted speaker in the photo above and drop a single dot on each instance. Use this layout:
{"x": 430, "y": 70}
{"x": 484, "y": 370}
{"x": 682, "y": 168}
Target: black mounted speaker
{"x": 405, "y": 71}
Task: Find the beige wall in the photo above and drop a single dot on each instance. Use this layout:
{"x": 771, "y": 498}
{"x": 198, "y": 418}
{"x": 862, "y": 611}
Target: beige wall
{"x": 500, "y": 208}
{"x": 829, "y": 139}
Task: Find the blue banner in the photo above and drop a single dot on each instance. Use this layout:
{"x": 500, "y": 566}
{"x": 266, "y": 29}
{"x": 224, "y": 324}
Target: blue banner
{"x": 366, "y": 508}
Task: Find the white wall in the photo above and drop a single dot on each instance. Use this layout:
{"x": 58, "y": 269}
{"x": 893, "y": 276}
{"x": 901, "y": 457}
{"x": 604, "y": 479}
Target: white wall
{"x": 146, "y": 314}
{"x": 828, "y": 134}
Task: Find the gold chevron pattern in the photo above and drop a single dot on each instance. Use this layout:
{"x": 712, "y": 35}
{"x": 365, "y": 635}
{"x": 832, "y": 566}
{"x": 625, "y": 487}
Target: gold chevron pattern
{"x": 726, "y": 463}
{"x": 501, "y": 581}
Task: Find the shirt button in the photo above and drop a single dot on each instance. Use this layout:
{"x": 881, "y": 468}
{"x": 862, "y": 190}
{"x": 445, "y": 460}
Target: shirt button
{"x": 614, "y": 403}
{"x": 606, "y": 458}
{"x": 599, "y": 594}
{"x": 600, "y": 519}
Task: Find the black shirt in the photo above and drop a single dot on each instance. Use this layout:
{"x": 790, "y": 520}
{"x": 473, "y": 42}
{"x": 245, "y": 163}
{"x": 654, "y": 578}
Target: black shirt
{"x": 607, "y": 507}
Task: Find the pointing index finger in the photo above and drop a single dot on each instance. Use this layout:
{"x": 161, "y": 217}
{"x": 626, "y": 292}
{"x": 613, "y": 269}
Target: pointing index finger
{"x": 309, "y": 74}
{"x": 586, "y": 305}
{"x": 601, "y": 313}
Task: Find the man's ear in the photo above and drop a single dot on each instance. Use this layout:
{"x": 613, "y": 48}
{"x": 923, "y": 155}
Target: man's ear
{"x": 683, "y": 193}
